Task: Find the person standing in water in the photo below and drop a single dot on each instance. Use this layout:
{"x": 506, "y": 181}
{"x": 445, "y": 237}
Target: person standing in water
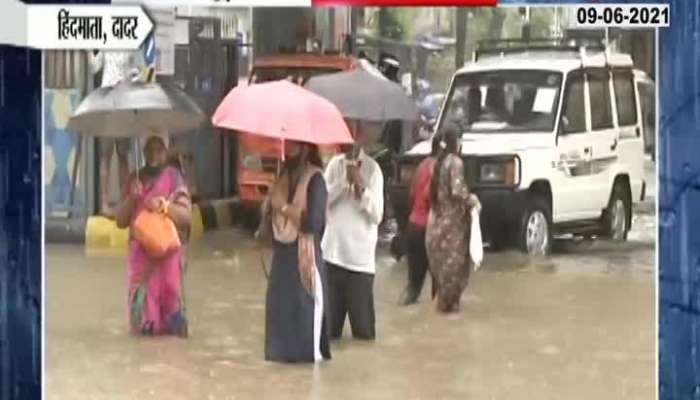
{"x": 448, "y": 229}
{"x": 295, "y": 321}
{"x": 355, "y": 209}
{"x": 156, "y": 295}
{"x": 417, "y": 221}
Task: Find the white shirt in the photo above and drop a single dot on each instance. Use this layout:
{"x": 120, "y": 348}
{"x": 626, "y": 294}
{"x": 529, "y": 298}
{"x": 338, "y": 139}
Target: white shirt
{"x": 350, "y": 239}
{"x": 117, "y": 65}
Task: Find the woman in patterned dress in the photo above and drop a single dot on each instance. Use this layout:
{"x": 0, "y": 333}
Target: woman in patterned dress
{"x": 447, "y": 232}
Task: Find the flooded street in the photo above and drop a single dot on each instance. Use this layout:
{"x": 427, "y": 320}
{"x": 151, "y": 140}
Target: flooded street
{"x": 578, "y": 325}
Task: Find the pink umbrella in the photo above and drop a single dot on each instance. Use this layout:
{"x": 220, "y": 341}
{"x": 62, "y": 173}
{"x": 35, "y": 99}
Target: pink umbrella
{"x": 282, "y": 110}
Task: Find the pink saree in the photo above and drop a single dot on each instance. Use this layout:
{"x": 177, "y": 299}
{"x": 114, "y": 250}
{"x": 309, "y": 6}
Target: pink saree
{"x": 156, "y": 296}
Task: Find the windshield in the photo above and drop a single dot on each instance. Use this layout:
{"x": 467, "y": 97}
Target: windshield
{"x": 504, "y": 101}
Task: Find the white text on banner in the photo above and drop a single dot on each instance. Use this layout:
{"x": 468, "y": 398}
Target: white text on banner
{"x": 86, "y": 27}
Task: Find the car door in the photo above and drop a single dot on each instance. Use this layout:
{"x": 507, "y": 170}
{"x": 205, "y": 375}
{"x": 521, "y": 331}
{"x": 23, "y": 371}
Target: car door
{"x": 647, "y": 99}
{"x": 631, "y": 143}
{"x": 604, "y": 137}
{"x": 573, "y": 180}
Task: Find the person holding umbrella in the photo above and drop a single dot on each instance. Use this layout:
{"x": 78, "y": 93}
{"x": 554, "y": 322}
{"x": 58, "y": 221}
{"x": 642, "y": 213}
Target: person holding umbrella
{"x": 294, "y": 214}
{"x": 355, "y": 209}
{"x": 156, "y": 301}
{"x": 155, "y": 203}
{"x": 295, "y": 324}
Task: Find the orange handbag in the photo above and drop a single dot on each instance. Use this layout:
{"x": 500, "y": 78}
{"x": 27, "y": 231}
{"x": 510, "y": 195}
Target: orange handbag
{"x": 156, "y": 233}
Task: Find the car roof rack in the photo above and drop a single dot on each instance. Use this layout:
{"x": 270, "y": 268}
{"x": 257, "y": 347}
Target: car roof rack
{"x": 501, "y": 47}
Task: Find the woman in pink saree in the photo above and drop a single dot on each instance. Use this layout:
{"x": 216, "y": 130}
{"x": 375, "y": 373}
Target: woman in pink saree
{"x": 156, "y": 296}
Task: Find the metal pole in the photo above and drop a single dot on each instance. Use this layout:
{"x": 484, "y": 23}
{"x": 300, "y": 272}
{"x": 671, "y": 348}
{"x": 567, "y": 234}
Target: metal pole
{"x": 76, "y": 164}
{"x": 137, "y": 160}
{"x": 331, "y": 30}
{"x": 461, "y": 28}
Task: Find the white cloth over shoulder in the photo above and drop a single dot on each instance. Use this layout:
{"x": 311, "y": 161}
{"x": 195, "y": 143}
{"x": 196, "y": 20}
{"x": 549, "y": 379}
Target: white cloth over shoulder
{"x": 476, "y": 245}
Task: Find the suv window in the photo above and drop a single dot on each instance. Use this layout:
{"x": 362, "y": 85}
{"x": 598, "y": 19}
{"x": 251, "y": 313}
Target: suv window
{"x": 624, "y": 98}
{"x": 647, "y": 99}
{"x": 574, "y": 113}
{"x": 504, "y": 101}
{"x": 601, "y": 110}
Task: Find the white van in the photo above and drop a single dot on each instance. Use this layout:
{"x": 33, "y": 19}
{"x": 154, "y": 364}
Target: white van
{"x": 552, "y": 144}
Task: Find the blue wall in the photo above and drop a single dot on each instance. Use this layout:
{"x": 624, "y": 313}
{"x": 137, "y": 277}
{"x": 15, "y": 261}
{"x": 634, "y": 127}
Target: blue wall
{"x": 61, "y": 147}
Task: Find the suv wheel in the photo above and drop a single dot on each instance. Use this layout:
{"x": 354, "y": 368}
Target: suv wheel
{"x": 615, "y": 216}
{"x": 535, "y": 234}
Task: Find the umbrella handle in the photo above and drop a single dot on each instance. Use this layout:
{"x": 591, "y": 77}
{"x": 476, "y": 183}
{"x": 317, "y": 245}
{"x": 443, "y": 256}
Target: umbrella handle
{"x": 138, "y": 157}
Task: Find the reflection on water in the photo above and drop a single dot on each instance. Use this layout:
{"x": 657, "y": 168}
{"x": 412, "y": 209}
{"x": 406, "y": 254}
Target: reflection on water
{"x": 580, "y": 322}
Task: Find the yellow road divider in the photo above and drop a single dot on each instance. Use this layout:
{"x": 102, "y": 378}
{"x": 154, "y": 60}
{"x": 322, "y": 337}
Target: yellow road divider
{"x": 102, "y": 233}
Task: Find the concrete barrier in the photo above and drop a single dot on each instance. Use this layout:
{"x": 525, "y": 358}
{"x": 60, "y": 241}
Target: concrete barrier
{"x": 103, "y": 234}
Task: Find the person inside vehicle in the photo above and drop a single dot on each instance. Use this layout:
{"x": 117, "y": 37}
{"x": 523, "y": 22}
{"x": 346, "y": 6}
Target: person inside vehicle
{"x": 473, "y": 105}
{"x": 495, "y": 104}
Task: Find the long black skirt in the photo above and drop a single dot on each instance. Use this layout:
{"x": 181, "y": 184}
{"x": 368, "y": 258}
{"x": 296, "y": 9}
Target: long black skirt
{"x": 295, "y": 321}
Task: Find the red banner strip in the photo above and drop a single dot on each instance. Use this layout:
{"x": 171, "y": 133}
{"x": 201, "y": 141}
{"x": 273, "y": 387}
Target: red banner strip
{"x": 404, "y": 3}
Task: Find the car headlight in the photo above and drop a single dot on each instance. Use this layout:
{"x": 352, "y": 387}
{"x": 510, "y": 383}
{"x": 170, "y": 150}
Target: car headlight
{"x": 504, "y": 172}
{"x": 493, "y": 172}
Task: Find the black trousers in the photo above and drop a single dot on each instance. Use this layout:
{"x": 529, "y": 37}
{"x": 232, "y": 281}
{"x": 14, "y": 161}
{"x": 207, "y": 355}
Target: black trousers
{"x": 350, "y": 293}
{"x": 417, "y": 258}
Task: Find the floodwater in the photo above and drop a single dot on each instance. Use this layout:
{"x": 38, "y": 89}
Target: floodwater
{"x": 578, "y": 325}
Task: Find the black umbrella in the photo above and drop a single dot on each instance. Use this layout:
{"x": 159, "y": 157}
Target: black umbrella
{"x": 136, "y": 109}
{"x": 361, "y": 95}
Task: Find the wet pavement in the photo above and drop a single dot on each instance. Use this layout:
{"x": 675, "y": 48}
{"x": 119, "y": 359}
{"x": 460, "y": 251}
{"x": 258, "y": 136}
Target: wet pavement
{"x": 578, "y": 325}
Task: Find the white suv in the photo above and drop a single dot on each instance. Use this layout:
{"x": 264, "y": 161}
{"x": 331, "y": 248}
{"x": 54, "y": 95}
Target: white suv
{"x": 552, "y": 144}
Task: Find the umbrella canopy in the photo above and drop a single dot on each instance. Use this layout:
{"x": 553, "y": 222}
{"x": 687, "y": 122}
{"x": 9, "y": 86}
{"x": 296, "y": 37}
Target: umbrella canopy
{"x": 282, "y": 110}
{"x": 136, "y": 109}
{"x": 361, "y": 95}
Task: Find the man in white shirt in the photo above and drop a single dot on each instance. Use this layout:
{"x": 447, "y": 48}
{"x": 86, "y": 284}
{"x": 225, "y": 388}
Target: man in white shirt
{"x": 355, "y": 207}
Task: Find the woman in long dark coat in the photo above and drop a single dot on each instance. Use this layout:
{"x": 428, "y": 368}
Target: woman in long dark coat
{"x": 295, "y": 328}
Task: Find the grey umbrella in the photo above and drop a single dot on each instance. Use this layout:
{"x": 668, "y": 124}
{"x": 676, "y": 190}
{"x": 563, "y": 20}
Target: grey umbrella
{"x": 361, "y": 95}
{"x": 136, "y": 109}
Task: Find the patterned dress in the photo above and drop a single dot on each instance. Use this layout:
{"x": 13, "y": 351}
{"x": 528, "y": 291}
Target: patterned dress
{"x": 156, "y": 286}
{"x": 447, "y": 235}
